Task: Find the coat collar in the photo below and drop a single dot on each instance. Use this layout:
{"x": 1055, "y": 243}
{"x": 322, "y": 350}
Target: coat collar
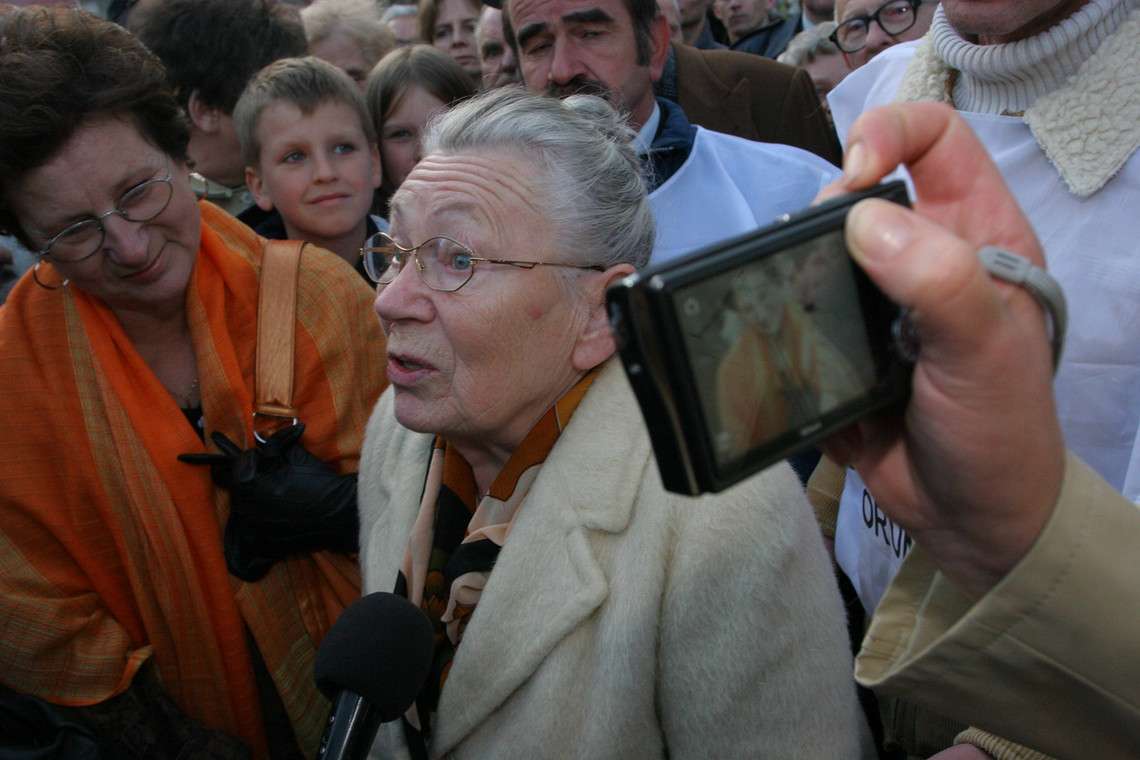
{"x": 547, "y": 580}
{"x": 702, "y": 93}
{"x": 1088, "y": 128}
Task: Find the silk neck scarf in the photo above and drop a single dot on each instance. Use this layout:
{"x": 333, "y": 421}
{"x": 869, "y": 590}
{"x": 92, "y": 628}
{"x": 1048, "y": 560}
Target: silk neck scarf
{"x": 457, "y": 536}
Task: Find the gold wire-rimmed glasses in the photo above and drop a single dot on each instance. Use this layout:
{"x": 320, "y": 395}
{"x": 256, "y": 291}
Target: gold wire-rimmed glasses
{"x": 83, "y": 239}
{"x": 443, "y": 264}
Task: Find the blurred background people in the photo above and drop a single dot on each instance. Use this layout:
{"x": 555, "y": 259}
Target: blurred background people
{"x": 409, "y": 86}
{"x": 153, "y": 606}
{"x": 401, "y": 19}
{"x": 569, "y": 592}
{"x": 349, "y": 34}
{"x": 868, "y": 27}
{"x": 752, "y": 27}
{"x": 496, "y": 57}
{"x": 697, "y": 19}
{"x": 210, "y": 49}
{"x": 15, "y": 260}
{"x": 736, "y": 93}
{"x": 815, "y": 52}
{"x": 815, "y": 12}
{"x": 671, "y": 10}
{"x": 451, "y": 26}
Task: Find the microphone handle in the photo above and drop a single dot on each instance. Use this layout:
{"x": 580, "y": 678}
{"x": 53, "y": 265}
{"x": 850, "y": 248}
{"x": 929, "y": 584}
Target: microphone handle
{"x": 351, "y": 729}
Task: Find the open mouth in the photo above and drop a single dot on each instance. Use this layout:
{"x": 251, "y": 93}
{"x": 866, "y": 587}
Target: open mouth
{"x": 408, "y": 365}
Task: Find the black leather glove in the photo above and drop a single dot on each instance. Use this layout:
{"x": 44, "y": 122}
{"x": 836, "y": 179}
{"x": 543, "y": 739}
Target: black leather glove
{"x": 283, "y": 500}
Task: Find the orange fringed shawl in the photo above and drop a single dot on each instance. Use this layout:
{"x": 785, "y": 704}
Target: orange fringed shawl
{"x": 110, "y": 548}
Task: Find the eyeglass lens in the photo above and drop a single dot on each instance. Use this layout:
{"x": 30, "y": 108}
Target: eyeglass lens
{"x": 139, "y": 204}
{"x": 894, "y": 17}
{"x": 442, "y": 263}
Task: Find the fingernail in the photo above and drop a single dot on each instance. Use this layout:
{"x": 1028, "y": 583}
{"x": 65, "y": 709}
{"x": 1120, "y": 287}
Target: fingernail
{"x": 854, "y": 160}
{"x": 880, "y": 230}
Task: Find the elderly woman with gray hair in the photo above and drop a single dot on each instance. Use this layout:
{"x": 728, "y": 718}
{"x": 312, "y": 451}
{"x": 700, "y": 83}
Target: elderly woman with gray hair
{"x": 508, "y": 485}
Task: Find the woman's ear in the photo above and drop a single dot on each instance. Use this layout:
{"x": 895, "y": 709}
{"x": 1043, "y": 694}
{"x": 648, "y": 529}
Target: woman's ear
{"x": 596, "y": 342}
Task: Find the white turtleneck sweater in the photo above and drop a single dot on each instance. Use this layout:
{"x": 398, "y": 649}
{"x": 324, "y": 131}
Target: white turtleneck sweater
{"x": 1060, "y": 114}
{"x": 1008, "y": 78}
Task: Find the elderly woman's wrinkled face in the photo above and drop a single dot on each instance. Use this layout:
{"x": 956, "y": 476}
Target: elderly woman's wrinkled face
{"x": 140, "y": 266}
{"x": 482, "y": 364}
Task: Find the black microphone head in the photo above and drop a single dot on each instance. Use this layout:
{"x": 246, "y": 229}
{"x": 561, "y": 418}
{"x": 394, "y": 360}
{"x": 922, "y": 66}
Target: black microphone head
{"x": 381, "y": 648}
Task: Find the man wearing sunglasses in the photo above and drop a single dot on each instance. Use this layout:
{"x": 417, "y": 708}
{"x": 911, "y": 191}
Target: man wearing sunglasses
{"x": 868, "y": 27}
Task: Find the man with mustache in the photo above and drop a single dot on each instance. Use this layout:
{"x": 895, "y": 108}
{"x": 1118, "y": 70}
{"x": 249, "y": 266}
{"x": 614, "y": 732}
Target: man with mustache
{"x": 705, "y": 186}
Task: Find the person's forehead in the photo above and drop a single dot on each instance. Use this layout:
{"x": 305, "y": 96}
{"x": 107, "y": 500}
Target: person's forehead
{"x": 845, "y": 9}
{"x": 462, "y": 8}
{"x": 497, "y": 187}
{"x": 553, "y": 12}
{"x": 491, "y": 24}
{"x": 328, "y": 117}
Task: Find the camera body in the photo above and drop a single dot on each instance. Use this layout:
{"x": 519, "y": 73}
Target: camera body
{"x": 751, "y": 350}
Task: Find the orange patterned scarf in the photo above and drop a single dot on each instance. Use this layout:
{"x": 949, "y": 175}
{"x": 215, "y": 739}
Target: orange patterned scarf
{"x": 110, "y": 548}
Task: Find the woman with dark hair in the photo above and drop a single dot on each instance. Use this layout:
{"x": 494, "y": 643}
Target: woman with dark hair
{"x": 450, "y": 25}
{"x": 409, "y": 86}
{"x": 149, "y": 600}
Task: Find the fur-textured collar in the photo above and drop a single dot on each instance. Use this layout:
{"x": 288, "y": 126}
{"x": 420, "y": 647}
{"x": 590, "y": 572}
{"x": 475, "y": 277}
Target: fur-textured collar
{"x": 1088, "y": 128}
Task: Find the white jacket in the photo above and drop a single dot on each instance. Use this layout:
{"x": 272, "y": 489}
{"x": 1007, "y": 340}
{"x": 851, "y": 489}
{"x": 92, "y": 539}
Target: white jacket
{"x": 729, "y": 186}
{"x": 1073, "y": 165}
{"x": 622, "y": 621}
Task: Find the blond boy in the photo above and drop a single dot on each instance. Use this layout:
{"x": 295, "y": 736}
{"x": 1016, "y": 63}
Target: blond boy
{"x": 311, "y": 155}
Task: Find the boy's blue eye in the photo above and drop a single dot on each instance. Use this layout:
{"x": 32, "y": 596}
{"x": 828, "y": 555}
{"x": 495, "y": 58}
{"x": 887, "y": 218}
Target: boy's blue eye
{"x": 344, "y": 147}
{"x": 293, "y": 157}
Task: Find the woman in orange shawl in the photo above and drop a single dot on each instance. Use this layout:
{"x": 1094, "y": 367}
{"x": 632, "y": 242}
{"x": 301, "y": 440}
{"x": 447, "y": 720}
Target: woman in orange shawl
{"x": 135, "y": 341}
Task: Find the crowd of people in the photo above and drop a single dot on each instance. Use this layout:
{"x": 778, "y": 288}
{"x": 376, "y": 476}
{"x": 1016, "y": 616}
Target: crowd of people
{"x": 951, "y": 580}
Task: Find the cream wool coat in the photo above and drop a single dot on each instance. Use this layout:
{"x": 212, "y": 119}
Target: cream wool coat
{"x": 622, "y": 621}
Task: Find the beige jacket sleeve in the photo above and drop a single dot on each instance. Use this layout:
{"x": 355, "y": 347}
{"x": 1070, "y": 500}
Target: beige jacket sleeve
{"x": 1049, "y": 657}
{"x": 824, "y": 488}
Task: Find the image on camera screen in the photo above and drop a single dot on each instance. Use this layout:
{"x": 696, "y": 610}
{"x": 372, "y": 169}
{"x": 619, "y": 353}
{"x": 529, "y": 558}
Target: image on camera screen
{"x": 775, "y": 345}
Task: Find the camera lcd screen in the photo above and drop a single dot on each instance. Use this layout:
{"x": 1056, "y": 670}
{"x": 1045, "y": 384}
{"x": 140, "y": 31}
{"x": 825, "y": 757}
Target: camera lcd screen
{"x": 774, "y": 346}
{"x": 746, "y": 352}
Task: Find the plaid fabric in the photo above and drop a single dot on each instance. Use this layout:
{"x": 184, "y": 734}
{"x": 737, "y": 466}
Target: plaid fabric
{"x": 110, "y": 548}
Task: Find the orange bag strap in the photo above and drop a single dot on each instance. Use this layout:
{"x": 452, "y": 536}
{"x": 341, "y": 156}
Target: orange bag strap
{"x": 276, "y": 332}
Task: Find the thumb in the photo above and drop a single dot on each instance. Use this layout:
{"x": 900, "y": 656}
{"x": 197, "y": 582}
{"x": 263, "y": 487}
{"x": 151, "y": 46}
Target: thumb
{"x": 956, "y": 307}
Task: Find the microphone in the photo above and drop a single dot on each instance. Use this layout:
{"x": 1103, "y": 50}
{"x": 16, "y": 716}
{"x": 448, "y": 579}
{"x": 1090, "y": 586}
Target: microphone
{"x": 371, "y": 664}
